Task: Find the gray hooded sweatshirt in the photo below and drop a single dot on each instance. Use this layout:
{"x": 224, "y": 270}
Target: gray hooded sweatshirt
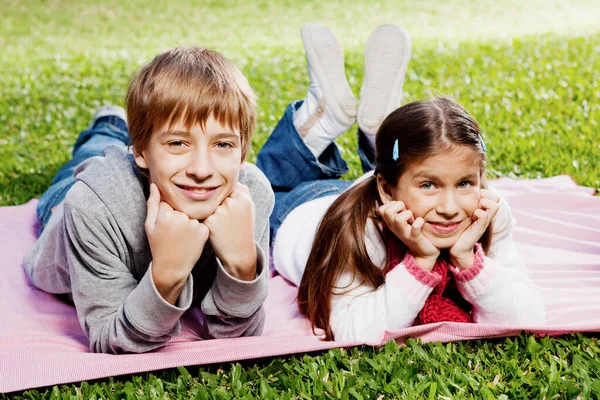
{"x": 95, "y": 249}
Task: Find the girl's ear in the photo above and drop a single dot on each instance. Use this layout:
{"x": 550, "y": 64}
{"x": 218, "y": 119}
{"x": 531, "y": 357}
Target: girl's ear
{"x": 384, "y": 189}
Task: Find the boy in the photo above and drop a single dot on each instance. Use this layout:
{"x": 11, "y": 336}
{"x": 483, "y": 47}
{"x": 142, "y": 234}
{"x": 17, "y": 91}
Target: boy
{"x": 180, "y": 221}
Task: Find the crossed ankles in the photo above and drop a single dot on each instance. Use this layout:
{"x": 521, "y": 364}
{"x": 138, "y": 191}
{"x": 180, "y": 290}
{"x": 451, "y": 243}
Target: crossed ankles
{"x": 330, "y": 107}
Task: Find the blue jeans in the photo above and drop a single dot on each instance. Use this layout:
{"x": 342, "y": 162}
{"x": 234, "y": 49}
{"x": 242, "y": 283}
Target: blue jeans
{"x": 106, "y": 130}
{"x": 296, "y": 175}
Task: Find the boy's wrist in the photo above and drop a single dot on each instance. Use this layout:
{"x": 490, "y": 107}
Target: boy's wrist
{"x": 167, "y": 286}
{"x": 244, "y": 269}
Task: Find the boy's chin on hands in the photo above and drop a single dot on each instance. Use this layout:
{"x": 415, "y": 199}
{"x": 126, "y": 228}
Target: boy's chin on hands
{"x": 231, "y": 229}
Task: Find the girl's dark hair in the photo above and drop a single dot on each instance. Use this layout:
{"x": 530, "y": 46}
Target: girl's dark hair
{"x": 423, "y": 129}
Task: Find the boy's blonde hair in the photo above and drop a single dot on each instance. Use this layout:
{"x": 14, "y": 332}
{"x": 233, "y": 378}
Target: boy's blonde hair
{"x": 189, "y": 84}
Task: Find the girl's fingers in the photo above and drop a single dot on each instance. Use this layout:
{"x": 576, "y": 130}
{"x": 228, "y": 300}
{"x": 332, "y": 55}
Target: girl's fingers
{"x": 480, "y": 224}
{"x": 401, "y": 221}
{"x": 406, "y": 216}
{"x": 490, "y": 207}
{"x": 393, "y": 207}
{"x": 488, "y": 204}
{"x": 477, "y": 227}
{"x": 389, "y": 211}
{"x": 487, "y": 194}
{"x": 416, "y": 227}
{"x": 480, "y": 214}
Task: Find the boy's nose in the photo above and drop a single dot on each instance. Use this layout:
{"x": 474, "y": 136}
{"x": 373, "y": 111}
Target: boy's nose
{"x": 200, "y": 165}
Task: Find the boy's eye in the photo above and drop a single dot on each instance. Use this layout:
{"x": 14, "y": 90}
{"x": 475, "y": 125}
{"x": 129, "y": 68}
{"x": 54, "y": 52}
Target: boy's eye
{"x": 224, "y": 145}
{"x": 427, "y": 186}
{"x": 176, "y": 143}
{"x": 464, "y": 184}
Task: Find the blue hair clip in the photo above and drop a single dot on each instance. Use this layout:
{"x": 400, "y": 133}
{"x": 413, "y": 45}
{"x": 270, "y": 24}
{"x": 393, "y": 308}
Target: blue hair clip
{"x": 395, "y": 154}
{"x": 483, "y": 146}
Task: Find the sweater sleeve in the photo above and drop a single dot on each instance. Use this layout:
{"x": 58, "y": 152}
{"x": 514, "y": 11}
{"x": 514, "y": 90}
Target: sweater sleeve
{"x": 117, "y": 313}
{"x": 498, "y": 286}
{"x": 234, "y": 307}
{"x": 359, "y": 312}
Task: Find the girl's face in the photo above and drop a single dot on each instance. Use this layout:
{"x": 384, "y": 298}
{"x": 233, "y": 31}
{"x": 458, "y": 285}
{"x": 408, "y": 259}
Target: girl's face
{"x": 444, "y": 190}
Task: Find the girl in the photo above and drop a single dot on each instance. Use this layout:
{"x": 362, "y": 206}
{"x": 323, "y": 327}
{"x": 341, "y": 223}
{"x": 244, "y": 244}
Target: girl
{"x": 418, "y": 240}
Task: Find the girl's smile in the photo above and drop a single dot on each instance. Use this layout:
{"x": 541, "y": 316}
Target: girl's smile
{"x": 444, "y": 227}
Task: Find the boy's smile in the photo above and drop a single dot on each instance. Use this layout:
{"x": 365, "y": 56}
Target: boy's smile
{"x": 198, "y": 192}
{"x": 194, "y": 168}
{"x": 444, "y": 190}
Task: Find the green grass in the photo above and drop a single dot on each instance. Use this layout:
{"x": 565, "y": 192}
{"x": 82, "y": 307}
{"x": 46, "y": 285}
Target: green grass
{"x": 513, "y": 368}
{"x": 528, "y": 71}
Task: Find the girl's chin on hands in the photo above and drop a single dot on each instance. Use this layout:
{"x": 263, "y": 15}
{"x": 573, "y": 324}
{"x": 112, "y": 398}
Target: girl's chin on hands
{"x": 462, "y": 252}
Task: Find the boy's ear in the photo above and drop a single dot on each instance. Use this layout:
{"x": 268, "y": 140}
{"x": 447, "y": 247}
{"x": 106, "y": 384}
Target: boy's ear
{"x": 140, "y": 160}
{"x": 384, "y": 189}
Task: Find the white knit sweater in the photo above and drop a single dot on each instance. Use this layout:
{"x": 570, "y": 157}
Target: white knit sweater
{"x": 500, "y": 292}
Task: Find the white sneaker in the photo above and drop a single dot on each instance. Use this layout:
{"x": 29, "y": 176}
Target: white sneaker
{"x": 387, "y": 53}
{"x": 325, "y": 58}
{"x": 108, "y": 111}
{"x": 329, "y": 108}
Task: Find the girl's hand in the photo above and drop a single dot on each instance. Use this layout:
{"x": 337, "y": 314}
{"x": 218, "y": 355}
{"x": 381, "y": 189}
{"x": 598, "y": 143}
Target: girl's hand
{"x": 231, "y": 229}
{"x": 408, "y": 229}
{"x": 461, "y": 254}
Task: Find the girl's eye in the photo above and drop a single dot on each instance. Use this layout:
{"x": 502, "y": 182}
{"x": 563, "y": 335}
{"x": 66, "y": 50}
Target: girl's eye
{"x": 464, "y": 184}
{"x": 427, "y": 186}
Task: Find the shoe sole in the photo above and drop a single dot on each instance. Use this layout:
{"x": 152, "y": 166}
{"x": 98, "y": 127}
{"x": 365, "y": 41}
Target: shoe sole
{"x": 326, "y": 58}
{"x": 387, "y": 54}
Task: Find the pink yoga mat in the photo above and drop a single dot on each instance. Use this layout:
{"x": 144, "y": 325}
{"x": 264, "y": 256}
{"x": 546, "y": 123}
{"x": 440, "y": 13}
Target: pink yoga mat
{"x": 42, "y": 344}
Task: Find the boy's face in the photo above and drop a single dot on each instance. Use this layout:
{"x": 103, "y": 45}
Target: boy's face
{"x": 194, "y": 169}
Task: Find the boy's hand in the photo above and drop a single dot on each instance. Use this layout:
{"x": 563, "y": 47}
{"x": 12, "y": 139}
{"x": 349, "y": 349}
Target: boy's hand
{"x": 231, "y": 229}
{"x": 176, "y": 243}
{"x": 408, "y": 229}
{"x": 461, "y": 253}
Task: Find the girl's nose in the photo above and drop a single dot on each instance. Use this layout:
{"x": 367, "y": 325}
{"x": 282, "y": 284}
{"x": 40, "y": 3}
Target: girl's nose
{"x": 448, "y": 205}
